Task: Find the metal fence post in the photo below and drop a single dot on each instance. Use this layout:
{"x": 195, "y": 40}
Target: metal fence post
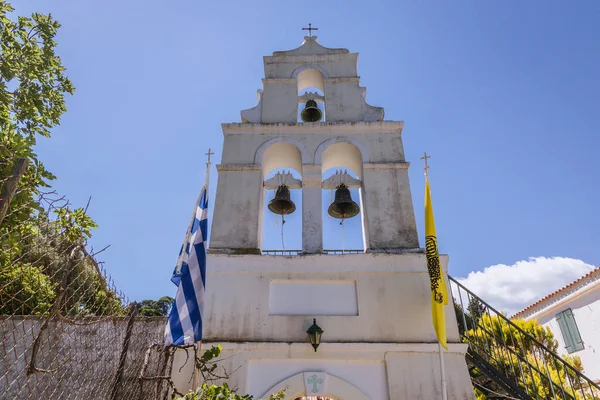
{"x": 133, "y": 310}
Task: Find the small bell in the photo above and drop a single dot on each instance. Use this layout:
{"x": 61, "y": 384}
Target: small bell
{"x": 311, "y": 112}
{"x": 282, "y": 204}
{"x": 343, "y": 207}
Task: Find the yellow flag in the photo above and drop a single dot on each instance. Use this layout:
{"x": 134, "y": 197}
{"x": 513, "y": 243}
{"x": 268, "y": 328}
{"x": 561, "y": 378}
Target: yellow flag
{"x": 439, "y": 292}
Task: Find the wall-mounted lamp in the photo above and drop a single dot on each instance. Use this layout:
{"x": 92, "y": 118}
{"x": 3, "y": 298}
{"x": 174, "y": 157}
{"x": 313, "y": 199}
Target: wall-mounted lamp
{"x": 314, "y": 334}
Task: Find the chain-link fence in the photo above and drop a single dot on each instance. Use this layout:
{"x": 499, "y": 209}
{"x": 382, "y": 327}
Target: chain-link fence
{"x": 65, "y": 331}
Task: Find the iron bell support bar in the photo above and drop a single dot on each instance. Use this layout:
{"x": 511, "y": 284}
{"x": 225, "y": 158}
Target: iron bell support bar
{"x": 339, "y": 178}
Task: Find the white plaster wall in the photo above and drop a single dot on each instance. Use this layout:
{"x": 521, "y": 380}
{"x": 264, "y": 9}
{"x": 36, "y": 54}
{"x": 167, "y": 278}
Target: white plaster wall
{"x": 394, "y": 304}
{"x": 313, "y": 297}
{"x": 281, "y": 155}
{"x": 280, "y": 101}
{"x": 416, "y": 376}
{"x": 382, "y": 371}
{"x": 332, "y": 65}
{"x": 380, "y": 140}
{"x": 238, "y": 210}
{"x": 586, "y": 309}
{"x": 367, "y": 375}
{"x": 343, "y": 100}
{"x": 390, "y": 217}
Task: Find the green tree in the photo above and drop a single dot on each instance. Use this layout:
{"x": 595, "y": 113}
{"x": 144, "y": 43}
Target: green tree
{"x": 512, "y": 351}
{"x": 42, "y": 239}
{"x": 152, "y": 308}
{"x": 32, "y": 100}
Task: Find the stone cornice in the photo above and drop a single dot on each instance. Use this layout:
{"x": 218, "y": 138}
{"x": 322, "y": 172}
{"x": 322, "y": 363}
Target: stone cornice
{"x": 343, "y": 79}
{"x": 309, "y": 58}
{"x": 287, "y": 81}
{"x": 293, "y": 81}
{"x": 282, "y": 128}
{"x": 374, "y": 350}
{"x": 239, "y": 167}
{"x": 396, "y": 165}
{"x": 311, "y": 167}
{"x": 322, "y": 263}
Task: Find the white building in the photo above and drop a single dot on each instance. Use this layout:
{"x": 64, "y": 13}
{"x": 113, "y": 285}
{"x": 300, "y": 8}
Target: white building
{"x": 573, "y": 315}
{"x": 374, "y": 307}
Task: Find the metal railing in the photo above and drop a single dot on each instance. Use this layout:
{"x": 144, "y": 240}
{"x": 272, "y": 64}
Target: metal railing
{"x": 515, "y": 360}
{"x": 281, "y": 252}
{"x": 299, "y": 252}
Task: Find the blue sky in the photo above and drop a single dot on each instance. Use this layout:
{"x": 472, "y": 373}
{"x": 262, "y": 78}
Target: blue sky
{"x": 505, "y": 97}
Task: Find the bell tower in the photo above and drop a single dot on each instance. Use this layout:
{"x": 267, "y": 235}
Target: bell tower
{"x": 373, "y": 307}
{"x": 341, "y": 130}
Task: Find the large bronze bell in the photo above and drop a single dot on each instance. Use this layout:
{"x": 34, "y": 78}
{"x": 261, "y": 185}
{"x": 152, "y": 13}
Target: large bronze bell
{"x": 343, "y": 207}
{"x": 311, "y": 112}
{"x": 281, "y": 203}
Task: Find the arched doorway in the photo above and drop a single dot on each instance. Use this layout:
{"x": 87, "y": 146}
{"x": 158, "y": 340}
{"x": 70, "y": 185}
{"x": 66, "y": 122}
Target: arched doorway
{"x": 317, "y": 386}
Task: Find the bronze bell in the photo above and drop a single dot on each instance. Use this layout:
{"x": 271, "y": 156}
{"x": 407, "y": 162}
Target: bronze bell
{"x": 343, "y": 206}
{"x": 311, "y": 112}
{"x": 282, "y": 204}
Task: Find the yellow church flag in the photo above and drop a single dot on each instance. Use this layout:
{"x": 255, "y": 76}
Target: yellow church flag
{"x": 439, "y": 292}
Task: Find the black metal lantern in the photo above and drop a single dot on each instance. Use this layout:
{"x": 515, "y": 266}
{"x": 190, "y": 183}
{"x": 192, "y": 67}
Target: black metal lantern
{"x": 314, "y": 334}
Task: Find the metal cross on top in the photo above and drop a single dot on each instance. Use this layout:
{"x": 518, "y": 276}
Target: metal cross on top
{"x": 209, "y": 154}
{"x": 425, "y": 157}
{"x": 310, "y": 29}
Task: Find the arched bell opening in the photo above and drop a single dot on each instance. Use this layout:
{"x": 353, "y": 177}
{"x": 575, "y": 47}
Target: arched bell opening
{"x": 311, "y": 96}
{"x": 282, "y": 210}
{"x": 342, "y": 164}
{"x": 342, "y": 212}
{"x": 282, "y": 199}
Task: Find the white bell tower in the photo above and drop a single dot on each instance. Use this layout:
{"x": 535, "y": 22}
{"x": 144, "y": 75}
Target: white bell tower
{"x": 374, "y": 307}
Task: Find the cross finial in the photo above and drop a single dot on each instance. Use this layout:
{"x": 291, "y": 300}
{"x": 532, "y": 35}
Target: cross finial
{"x": 425, "y": 157}
{"x": 209, "y": 154}
{"x": 310, "y": 29}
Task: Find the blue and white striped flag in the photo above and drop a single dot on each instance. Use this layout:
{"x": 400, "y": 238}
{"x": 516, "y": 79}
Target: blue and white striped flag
{"x": 184, "y": 325}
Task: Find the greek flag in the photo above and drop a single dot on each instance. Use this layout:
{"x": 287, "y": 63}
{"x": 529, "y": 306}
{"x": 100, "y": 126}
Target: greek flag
{"x": 184, "y": 325}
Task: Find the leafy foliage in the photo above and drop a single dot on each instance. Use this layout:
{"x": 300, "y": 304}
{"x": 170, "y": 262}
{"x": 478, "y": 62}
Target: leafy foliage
{"x": 514, "y": 354}
{"x": 207, "y": 365}
{"x": 29, "y": 283}
{"x": 32, "y": 100}
{"x": 152, "y": 308}
{"x": 42, "y": 239}
{"x": 223, "y": 392}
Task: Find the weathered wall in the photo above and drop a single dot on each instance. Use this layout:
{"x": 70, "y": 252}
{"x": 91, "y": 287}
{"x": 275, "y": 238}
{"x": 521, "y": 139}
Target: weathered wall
{"x": 86, "y": 358}
{"x": 382, "y": 371}
{"x": 392, "y": 291}
{"x": 586, "y": 309}
{"x": 372, "y": 150}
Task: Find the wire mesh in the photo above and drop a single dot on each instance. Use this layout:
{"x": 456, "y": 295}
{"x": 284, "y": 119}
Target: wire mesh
{"x": 65, "y": 330}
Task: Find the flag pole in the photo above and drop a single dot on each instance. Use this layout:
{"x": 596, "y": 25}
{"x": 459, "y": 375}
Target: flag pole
{"x": 441, "y": 350}
{"x": 188, "y": 233}
{"x": 199, "y": 343}
{"x": 443, "y": 370}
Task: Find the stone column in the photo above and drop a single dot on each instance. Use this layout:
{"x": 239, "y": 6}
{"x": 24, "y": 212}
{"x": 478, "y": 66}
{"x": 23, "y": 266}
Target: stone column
{"x": 390, "y": 217}
{"x": 312, "y": 220}
{"x": 237, "y": 219}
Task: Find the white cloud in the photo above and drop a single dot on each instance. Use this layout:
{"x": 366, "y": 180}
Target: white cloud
{"x": 510, "y": 288}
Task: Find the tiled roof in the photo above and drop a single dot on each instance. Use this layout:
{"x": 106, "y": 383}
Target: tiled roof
{"x": 556, "y": 293}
